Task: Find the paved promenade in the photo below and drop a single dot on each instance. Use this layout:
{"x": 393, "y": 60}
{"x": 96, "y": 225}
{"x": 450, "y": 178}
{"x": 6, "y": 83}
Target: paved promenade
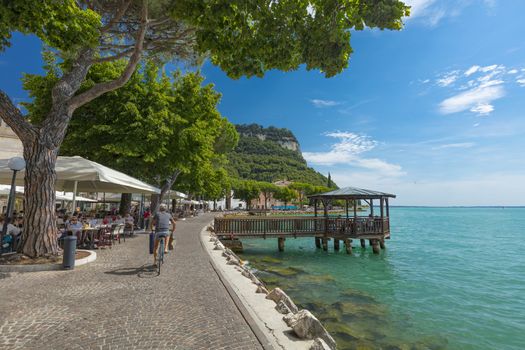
{"x": 118, "y": 302}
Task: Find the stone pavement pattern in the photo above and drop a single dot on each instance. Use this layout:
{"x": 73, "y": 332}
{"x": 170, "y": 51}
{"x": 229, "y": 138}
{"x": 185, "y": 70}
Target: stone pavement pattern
{"x": 118, "y": 302}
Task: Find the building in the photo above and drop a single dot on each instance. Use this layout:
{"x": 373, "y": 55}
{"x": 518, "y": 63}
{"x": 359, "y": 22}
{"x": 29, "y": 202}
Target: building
{"x": 10, "y": 144}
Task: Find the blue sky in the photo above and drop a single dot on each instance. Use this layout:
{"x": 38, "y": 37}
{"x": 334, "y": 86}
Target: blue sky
{"x": 434, "y": 113}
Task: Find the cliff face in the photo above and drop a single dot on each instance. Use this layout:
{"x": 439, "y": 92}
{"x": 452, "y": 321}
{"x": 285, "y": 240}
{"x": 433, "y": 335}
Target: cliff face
{"x": 284, "y": 137}
{"x": 270, "y": 154}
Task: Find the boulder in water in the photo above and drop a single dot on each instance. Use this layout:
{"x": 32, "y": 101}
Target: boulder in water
{"x": 307, "y": 326}
{"x": 282, "y": 308}
{"x": 319, "y": 344}
{"x": 278, "y": 295}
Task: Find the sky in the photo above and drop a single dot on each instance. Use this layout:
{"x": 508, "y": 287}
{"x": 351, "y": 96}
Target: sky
{"x": 434, "y": 113}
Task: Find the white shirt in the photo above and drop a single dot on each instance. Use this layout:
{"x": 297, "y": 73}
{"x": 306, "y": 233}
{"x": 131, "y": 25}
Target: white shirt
{"x": 12, "y": 230}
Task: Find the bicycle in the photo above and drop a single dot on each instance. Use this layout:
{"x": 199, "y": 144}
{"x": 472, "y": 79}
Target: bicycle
{"x": 160, "y": 254}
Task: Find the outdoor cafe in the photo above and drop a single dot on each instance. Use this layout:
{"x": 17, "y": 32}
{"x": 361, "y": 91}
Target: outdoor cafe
{"x": 95, "y": 226}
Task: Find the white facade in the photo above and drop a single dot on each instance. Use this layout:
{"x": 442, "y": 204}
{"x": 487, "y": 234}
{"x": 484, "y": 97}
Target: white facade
{"x": 10, "y": 145}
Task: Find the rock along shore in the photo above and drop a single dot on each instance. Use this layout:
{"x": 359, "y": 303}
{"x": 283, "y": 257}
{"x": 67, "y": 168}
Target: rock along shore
{"x": 281, "y": 322}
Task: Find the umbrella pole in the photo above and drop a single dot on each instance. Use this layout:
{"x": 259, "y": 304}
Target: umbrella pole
{"x": 75, "y": 196}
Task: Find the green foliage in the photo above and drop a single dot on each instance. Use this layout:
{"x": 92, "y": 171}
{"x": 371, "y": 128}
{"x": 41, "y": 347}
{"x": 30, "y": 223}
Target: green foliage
{"x": 61, "y": 24}
{"x": 270, "y": 133}
{"x": 286, "y": 195}
{"x": 266, "y": 160}
{"x": 151, "y": 128}
{"x": 249, "y": 37}
{"x": 246, "y": 190}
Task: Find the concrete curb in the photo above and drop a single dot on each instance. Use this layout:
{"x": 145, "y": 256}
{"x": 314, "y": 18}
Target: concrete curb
{"x": 257, "y": 330}
{"x": 48, "y": 267}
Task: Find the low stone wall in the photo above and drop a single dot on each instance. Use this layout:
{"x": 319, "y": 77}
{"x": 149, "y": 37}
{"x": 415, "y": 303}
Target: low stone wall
{"x": 302, "y": 323}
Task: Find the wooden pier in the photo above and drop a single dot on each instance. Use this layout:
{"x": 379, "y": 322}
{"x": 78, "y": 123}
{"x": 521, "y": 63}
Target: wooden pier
{"x": 373, "y": 228}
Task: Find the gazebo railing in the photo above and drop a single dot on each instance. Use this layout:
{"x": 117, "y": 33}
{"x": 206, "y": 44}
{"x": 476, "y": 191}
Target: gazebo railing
{"x": 250, "y": 226}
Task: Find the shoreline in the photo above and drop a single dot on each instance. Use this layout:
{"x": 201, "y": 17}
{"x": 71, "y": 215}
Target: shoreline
{"x": 260, "y": 311}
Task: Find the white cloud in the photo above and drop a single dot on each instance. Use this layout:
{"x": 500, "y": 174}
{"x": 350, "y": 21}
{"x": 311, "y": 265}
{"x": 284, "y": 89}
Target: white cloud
{"x": 455, "y": 145}
{"x": 324, "y": 103}
{"x": 488, "y": 68}
{"x": 476, "y": 88}
{"x": 448, "y": 78}
{"x": 348, "y": 150}
{"x": 477, "y": 100}
{"x": 431, "y": 12}
{"x": 482, "y": 109}
{"x": 472, "y": 70}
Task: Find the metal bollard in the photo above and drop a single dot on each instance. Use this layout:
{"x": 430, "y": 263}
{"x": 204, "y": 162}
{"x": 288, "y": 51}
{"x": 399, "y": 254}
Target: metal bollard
{"x": 70, "y": 248}
{"x": 151, "y": 242}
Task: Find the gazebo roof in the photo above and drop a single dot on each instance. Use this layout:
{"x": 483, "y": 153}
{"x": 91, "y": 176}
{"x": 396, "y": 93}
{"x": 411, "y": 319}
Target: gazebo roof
{"x": 352, "y": 193}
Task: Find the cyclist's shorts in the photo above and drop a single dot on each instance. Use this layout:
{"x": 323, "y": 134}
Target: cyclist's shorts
{"x": 159, "y": 234}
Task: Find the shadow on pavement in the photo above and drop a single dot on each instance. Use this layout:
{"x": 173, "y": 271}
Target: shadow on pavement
{"x": 144, "y": 271}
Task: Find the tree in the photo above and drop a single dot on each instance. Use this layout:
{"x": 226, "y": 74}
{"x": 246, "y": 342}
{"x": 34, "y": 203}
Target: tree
{"x": 303, "y": 189}
{"x": 267, "y": 189}
{"x": 286, "y": 195}
{"x": 175, "y": 119}
{"x": 243, "y": 37}
{"x": 246, "y": 190}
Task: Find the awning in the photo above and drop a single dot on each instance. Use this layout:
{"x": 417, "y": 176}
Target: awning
{"x": 81, "y": 175}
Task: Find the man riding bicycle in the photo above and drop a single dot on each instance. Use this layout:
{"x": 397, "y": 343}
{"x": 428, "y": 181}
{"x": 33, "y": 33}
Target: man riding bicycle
{"x": 162, "y": 221}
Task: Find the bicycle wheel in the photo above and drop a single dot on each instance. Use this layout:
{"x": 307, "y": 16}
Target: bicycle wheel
{"x": 160, "y": 254}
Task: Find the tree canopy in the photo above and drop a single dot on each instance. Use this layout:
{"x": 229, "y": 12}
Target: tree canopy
{"x": 152, "y": 128}
{"x": 242, "y": 37}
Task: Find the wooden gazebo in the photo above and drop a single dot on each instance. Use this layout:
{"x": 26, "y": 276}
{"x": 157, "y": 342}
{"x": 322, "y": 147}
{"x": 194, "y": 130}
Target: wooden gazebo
{"x": 375, "y": 228}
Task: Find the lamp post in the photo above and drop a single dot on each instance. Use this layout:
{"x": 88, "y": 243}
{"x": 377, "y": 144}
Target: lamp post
{"x": 16, "y": 164}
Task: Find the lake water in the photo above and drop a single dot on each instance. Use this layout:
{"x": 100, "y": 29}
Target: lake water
{"x": 450, "y": 278}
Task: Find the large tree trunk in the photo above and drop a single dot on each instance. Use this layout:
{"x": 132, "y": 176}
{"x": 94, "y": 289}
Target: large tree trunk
{"x": 157, "y": 199}
{"x": 125, "y": 204}
{"x": 39, "y": 237}
{"x": 41, "y": 143}
{"x": 228, "y": 202}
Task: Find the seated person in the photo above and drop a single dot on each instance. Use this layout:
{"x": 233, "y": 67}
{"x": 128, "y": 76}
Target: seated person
{"x": 75, "y": 227}
{"x": 12, "y": 230}
{"x": 128, "y": 220}
{"x": 93, "y": 222}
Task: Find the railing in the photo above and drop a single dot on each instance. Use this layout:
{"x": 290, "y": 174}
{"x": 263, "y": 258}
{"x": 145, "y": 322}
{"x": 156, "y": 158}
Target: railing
{"x": 250, "y": 226}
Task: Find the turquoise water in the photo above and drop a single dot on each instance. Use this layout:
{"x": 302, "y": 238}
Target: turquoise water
{"x": 450, "y": 278}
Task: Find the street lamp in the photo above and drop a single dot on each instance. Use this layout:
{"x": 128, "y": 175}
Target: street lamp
{"x": 16, "y": 164}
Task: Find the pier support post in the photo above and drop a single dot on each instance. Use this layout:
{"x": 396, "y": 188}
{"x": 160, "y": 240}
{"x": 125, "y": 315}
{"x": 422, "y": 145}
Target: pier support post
{"x": 325, "y": 244}
{"x": 318, "y": 242}
{"x": 382, "y": 243}
{"x": 348, "y": 245}
{"x": 375, "y": 246}
{"x": 280, "y": 243}
{"x": 363, "y": 243}
{"x": 336, "y": 244}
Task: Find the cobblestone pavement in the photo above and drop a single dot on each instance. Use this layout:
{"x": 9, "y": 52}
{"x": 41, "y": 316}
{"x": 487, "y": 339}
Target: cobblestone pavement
{"x": 118, "y": 302}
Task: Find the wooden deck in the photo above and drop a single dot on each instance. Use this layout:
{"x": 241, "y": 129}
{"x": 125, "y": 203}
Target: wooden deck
{"x": 301, "y": 226}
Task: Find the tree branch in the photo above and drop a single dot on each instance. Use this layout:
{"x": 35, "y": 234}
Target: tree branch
{"x": 121, "y": 11}
{"x": 134, "y": 60}
{"x": 113, "y": 57}
{"x": 14, "y": 118}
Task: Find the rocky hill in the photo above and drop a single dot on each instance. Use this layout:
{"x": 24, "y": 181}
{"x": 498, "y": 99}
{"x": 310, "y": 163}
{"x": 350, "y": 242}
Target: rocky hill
{"x": 270, "y": 154}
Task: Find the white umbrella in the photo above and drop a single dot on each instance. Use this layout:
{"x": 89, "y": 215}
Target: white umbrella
{"x": 79, "y": 174}
{"x": 68, "y": 196}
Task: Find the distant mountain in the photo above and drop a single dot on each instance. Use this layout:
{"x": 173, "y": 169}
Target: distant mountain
{"x": 270, "y": 154}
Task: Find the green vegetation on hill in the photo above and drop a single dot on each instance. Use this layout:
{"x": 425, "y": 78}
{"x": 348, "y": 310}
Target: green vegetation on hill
{"x": 271, "y": 133}
{"x": 260, "y": 155}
